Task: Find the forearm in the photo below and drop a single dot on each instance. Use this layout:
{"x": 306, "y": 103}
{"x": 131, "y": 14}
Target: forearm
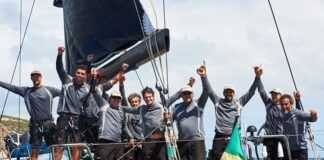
{"x": 12, "y": 88}
{"x": 263, "y": 93}
{"x": 212, "y": 95}
{"x": 60, "y": 69}
{"x": 173, "y": 98}
{"x": 204, "y": 95}
{"x": 245, "y": 98}
{"x": 123, "y": 94}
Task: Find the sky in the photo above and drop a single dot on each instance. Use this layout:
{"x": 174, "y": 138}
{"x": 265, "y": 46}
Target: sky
{"x": 231, "y": 36}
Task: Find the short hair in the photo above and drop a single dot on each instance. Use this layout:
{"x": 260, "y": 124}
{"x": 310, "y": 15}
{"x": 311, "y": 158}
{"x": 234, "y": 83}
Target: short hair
{"x": 133, "y": 95}
{"x": 287, "y": 96}
{"x": 82, "y": 67}
{"x": 147, "y": 90}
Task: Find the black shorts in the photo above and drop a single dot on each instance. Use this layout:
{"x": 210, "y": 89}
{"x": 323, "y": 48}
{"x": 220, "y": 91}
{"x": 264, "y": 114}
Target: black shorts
{"x": 67, "y": 129}
{"x": 42, "y": 132}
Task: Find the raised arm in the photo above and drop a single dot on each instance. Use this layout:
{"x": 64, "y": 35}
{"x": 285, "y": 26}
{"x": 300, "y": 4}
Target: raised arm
{"x": 264, "y": 96}
{"x": 64, "y": 77}
{"x": 123, "y": 93}
{"x": 211, "y": 94}
{"x": 15, "y": 89}
{"x": 246, "y": 97}
{"x": 54, "y": 91}
{"x": 173, "y": 98}
{"x": 204, "y": 95}
{"x": 263, "y": 93}
{"x": 308, "y": 117}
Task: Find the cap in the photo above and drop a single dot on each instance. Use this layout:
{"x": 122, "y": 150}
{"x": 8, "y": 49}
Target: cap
{"x": 229, "y": 87}
{"x": 36, "y": 72}
{"x": 276, "y": 90}
{"x": 186, "y": 89}
{"x": 115, "y": 94}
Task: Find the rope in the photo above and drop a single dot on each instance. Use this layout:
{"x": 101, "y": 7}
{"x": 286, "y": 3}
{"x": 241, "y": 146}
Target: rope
{"x": 20, "y": 69}
{"x": 139, "y": 79}
{"x": 18, "y": 57}
{"x": 164, "y": 19}
{"x": 149, "y": 49}
{"x": 308, "y": 129}
{"x": 154, "y": 12}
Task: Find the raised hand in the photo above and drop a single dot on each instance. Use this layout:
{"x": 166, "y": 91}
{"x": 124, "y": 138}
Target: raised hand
{"x": 258, "y": 71}
{"x": 94, "y": 73}
{"x": 60, "y": 50}
{"x": 202, "y": 71}
{"x": 297, "y": 95}
{"x": 192, "y": 81}
{"x": 124, "y": 67}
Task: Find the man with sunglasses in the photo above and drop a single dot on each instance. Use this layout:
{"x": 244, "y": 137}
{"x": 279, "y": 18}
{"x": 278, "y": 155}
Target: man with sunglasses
{"x": 294, "y": 125}
{"x": 188, "y": 116}
{"x": 38, "y": 101}
{"x": 227, "y": 109}
{"x": 112, "y": 122}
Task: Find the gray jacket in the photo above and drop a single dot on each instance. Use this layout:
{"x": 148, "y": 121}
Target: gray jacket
{"x": 151, "y": 115}
{"x": 71, "y": 97}
{"x": 274, "y": 115}
{"x": 294, "y": 128}
{"x": 227, "y": 111}
{"x": 189, "y": 117}
{"x": 38, "y": 101}
{"x": 112, "y": 123}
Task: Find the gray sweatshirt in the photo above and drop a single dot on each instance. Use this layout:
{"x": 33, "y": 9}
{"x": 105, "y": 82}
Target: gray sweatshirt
{"x": 112, "y": 122}
{"x": 151, "y": 115}
{"x": 38, "y": 101}
{"x": 70, "y": 101}
{"x": 294, "y": 127}
{"x": 274, "y": 115}
{"x": 133, "y": 125}
{"x": 226, "y": 111}
{"x": 189, "y": 117}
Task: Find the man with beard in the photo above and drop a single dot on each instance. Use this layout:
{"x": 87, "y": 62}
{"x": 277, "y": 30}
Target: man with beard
{"x": 227, "y": 109}
{"x": 294, "y": 126}
{"x": 38, "y": 101}
{"x": 70, "y": 106}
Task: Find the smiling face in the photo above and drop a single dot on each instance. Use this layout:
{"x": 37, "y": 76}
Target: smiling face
{"x": 286, "y": 103}
{"x": 275, "y": 97}
{"x": 80, "y": 76}
{"x": 228, "y": 94}
{"x": 148, "y": 98}
{"x": 114, "y": 101}
{"x": 187, "y": 97}
{"x": 135, "y": 101}
{"x": 36, "y": 79}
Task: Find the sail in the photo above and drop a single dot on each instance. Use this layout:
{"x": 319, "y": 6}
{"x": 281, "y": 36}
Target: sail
{"x": 103, "y": 29}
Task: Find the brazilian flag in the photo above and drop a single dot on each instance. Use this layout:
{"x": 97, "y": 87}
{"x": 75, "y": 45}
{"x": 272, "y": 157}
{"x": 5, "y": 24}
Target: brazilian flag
{"x": 234, "y": 150}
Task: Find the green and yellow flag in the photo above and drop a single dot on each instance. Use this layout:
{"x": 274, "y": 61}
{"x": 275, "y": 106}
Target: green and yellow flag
{"x": 234, "y": 150}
